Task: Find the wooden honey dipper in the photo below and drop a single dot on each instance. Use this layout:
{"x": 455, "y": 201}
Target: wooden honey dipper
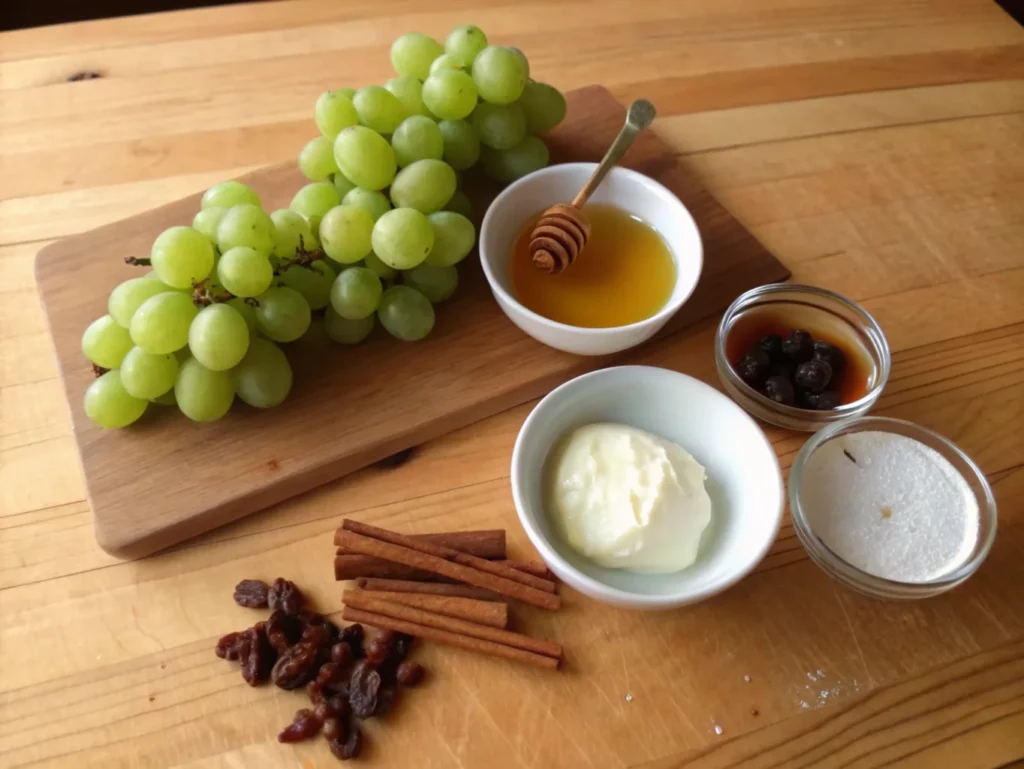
{"x": 563, "y": 230}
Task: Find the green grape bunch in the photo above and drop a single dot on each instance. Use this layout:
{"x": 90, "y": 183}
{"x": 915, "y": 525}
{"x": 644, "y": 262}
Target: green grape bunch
{"x": 374, "y": 239}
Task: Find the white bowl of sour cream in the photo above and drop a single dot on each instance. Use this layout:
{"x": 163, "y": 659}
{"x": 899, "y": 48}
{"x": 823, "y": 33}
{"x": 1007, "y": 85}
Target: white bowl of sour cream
{"x": 558, "y": 487}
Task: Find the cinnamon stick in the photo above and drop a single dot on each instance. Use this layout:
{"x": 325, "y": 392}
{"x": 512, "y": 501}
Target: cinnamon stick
{"x": 426, "y": 588}
{"x": 446, "y": 553}
{"x": 452, "y": 639}
{"x": 371, "y": 602}
{"x": 483, "y": 543}
{"x": 536, "y": 568}
{"x": 349, "y": 565}
{"x": 460, "y": 572}
{"x": 489, "y": 613}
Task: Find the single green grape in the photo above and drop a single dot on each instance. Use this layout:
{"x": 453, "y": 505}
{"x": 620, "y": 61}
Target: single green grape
{"x": 228, "y": 194}
{"x": 263, "y": 378}
{"x": 148, "y": 376}
{"x": 128, "y": 296}
{"x": 435, "y": 283}
{"x": 499, "y": 126}
{"x": 316, "y": 159}
{"x": 218, "y": 337}
{"x": 460, "y": 204}
{"x": 445, "y": 61}
{"x": 454, "y": 237}
{"x": 425, "y": 185}
{"x": 106, "y": 342}
{"x": 246, "y": 225}
{"x": 109, "y": 405}
{"x": 376, "y": 204}
{"x": 246, "y": 311}
{"x": 450, "y": 94}
{"x": 313, "y": 282}
{"x": 245, "y": 271}
{"x": 356, "y": 293}
{"x": 500, "y": 74}
{"x": 181, "y": 255}
{"x": 543, "y": 105}
{"x": 314, "y": 200}
{"x": 161, "y": 324}
{"x": 464, "y": 43}
{"x": 365, "y": 157}
{"x": 522, "y": 58}
{"x": 384, "y": 272}
{"x": 461, "y": 143}
{"x": 334, "y": 111}
{"x": 345, "y": 233}
{"x": 531, "y": 154}
{"x": 379, "y": 109}
{"x": 342, "y": 184}
{"x": 203, "y": 395}
{"x": 291, "y": 229}
{"x": 207, "y": 220}
{"x": 282, "y": 314}
{"x": 413, "y": 53}
{"x": 417, "y": 138}
{"x": 405, "y": 313}
{"x": 409, "y": 91}
{"x": 345, "y": 331}
{"x": 402, "y": 238}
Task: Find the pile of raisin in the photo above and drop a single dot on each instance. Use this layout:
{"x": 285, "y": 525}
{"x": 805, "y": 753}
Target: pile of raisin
{"x": 345, "y": 678}
{"x": 795, "y": 370}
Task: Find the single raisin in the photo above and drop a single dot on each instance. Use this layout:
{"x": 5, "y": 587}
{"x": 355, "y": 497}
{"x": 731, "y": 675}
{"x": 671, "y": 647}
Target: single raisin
{"x": 825, "y": 401}
{"x": 284, "y": 595}
{"x": 353, "y": 635}
{"x": 831, "y": 354}
{"x": 771, "y": 345}
{"x": 296, "y": 667}
{"x": 317, "y": 636}
{"x": 315, "y": 692}
{"x": 813, "y": 376}
{"x": 378, "y": 652}
{"x": 339, "y": 705}
{"x": 409, "y": 673}
{"x": 798, "y": 346}
{"x": 780, "y": 390}
{"x": 261, "y": 657}
{"x": 303, "y": 726}
{"x": 325, "y": 710}
{"x": 330, "y": 675}
{"x": 350, "y": 747}
{"x": 251, "y": 593}
{"x": 364, "y": 687}
{"x": 227, "y": 647}
{"x": 282, "y": 631}
{"x": 333, "y": 729}
{"x": 753, "y": 367}
{"x": 341, "y": 653}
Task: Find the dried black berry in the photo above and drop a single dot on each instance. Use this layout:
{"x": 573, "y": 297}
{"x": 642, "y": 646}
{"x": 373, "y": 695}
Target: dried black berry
{"x": 771, "y": 345}
{"x": 825, "y": 401}
{"x": 780, "y": 390}
{"x": 753, "y": 367}
{"x": 813, "y": 375}
{"x": 798, "y": 346}
{"x": 831, "y": 354}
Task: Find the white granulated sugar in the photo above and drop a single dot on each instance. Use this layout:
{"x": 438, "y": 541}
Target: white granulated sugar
{"x": 890, "y": 506}
{"x": 629, "y": 697}
{"x": 718, "y": 729}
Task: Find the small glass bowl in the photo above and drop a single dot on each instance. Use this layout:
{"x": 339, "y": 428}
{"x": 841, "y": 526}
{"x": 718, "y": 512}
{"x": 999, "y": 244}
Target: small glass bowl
{"x": 856, "y": 578}
{"x": 816, "y": 308}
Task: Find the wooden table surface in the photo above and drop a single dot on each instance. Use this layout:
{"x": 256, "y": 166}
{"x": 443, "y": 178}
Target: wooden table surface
{"x": 876, "y": 147}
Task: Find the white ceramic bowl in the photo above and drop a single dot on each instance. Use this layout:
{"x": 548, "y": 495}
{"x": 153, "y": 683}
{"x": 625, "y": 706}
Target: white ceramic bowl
{"x": 744, "y": 480}
{"x": 629, "y": 190}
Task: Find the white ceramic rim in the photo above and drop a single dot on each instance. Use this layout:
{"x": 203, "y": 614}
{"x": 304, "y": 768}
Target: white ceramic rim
{"x": 622, "y": 597}
{"x": 662, "y": 316}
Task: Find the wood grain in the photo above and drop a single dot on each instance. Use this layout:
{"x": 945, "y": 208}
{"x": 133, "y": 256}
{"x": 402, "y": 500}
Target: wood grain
{"x": 897, "y": 179}
{"x": 249, "y": 461}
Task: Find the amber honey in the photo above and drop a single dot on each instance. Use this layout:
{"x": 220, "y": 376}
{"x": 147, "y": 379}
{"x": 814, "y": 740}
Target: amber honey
{"x": 624, "y": 274}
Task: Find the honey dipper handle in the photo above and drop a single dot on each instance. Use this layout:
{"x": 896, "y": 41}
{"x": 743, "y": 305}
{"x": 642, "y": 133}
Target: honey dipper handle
{"x": 640, "y": 115}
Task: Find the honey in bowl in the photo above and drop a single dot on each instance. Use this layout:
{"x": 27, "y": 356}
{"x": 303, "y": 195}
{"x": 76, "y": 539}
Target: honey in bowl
{"x": 625, "y": 274}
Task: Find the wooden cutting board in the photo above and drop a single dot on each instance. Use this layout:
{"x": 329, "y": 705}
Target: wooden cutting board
{"x": 166, "y": 479}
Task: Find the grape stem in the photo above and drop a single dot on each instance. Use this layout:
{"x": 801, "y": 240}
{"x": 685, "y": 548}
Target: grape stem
{"x": 202, "y": 297}
{"x": 251, "y": 301}
{"x": 99, "y": 371}
{"x": 138, "y": 261}
{"x": 303, "y": 258}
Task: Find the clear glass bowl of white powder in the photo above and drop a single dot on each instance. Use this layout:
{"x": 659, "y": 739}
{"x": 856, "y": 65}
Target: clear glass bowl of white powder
{"x": 890, "y": 508}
